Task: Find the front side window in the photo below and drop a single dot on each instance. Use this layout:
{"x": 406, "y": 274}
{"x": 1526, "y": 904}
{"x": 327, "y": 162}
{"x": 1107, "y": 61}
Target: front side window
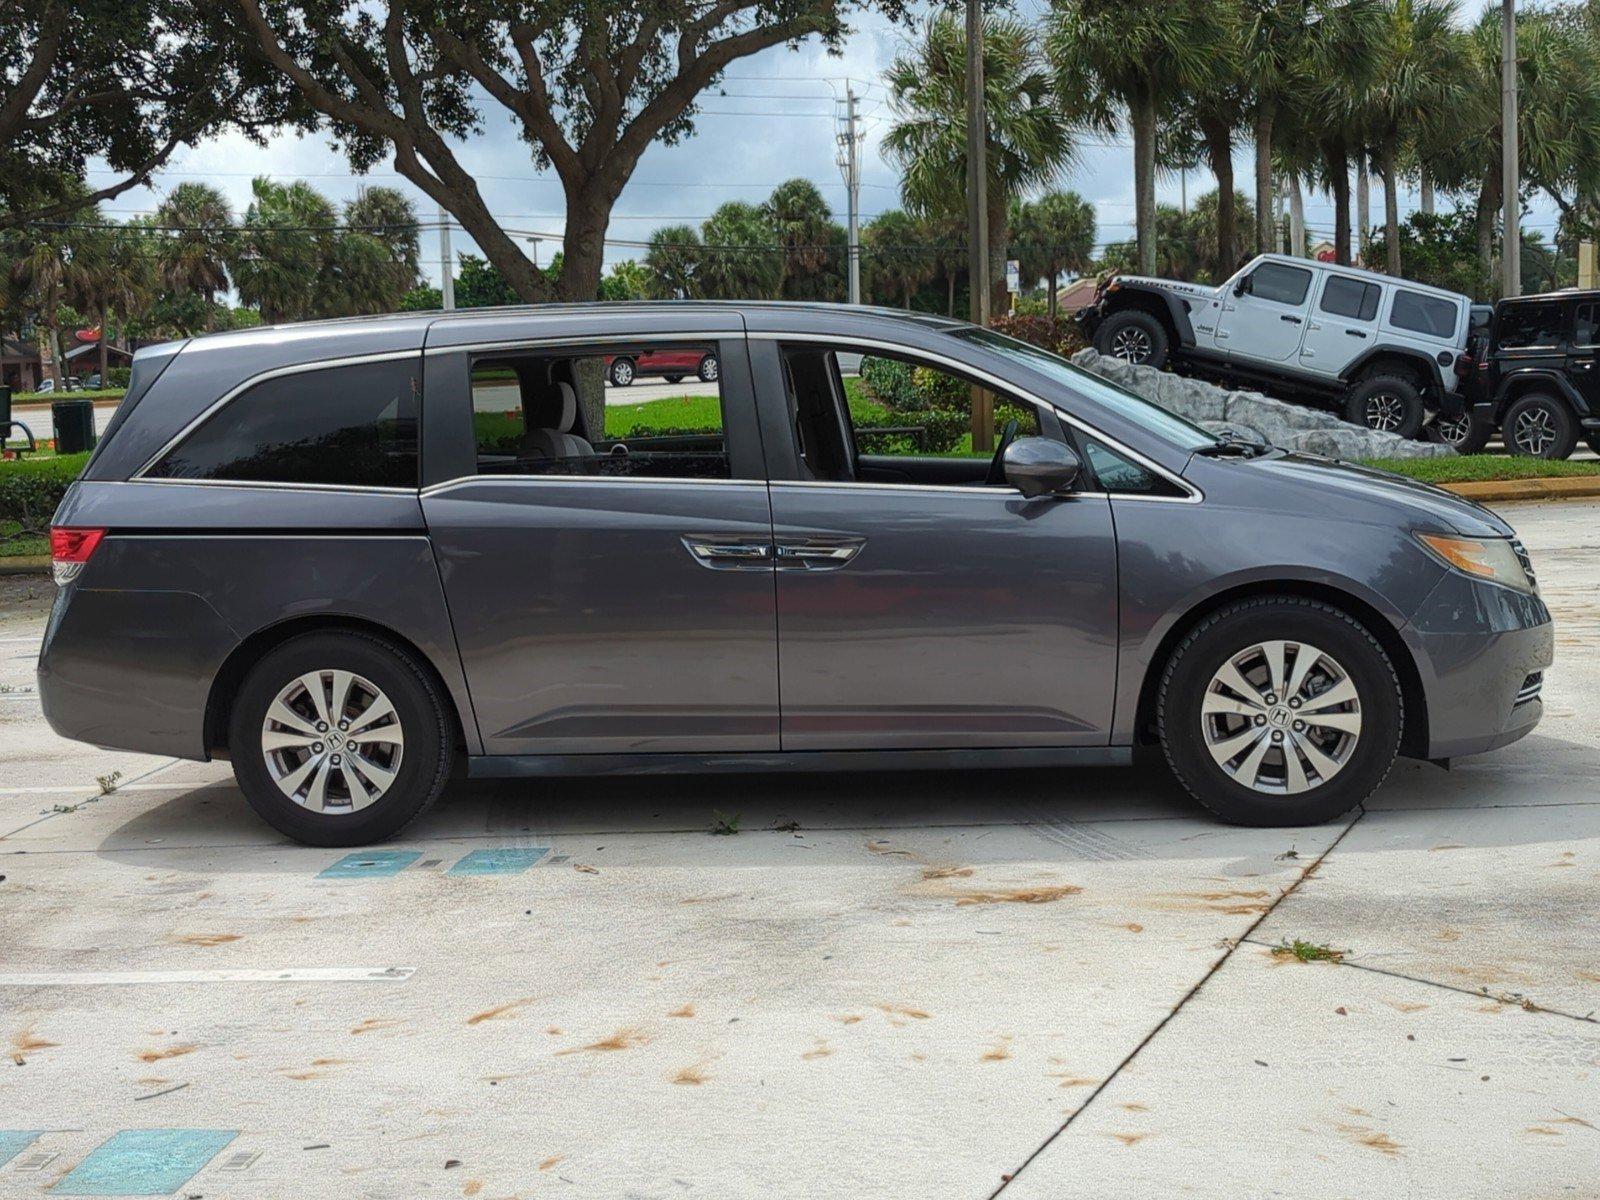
{"x": 1526, "y": 326}
{"x": 630, "y": 410}
{"x": 1585, "y": 322}
{"x": 1280, "y": 284}
{"x": 1346, "y": 297}
{"x": 350, "y": 426}
{"x": 1423, "y": 314}
{"x": 901, "y": 407}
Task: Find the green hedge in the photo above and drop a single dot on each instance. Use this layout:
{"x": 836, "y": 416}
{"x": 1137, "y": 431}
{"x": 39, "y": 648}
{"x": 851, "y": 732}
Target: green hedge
{"x": 31, "y": 488}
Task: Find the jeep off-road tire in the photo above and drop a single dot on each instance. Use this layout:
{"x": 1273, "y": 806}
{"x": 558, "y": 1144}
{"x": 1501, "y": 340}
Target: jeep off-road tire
{"x": 1540, "y": 426}
{"x": 1466, "y": 434}
{"x": 1133, "y": 336}
{"x": 1262, "y": 679}
{"x": 1386, "y": 404}
{"x": 340, "y": 739}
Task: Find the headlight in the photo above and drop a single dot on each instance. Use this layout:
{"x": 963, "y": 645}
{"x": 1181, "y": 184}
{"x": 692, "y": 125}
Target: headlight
{"x": 1493, "y": 559}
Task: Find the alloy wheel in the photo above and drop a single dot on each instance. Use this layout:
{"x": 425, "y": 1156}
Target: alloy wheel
{"x": 1281, "y": 717}
{"x": 1453, "y": 431}
{"x": 708, "y": 370}
{"x": 1535, "y": 432}
{"x": 1131, "y": 345}
{"x": 1385, "y": 412}
{"x": 332, "y": 742}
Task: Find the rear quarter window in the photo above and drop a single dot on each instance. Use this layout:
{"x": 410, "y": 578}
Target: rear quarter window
{"x": 1428, "y": 315}
{"x": 351, "y": 426}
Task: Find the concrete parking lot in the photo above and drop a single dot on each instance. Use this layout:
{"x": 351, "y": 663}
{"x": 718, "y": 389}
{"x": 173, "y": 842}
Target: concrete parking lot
{"x": 1037, "y": 984}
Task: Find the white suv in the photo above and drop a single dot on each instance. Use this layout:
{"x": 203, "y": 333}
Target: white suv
{"x": 1385, "y": 351}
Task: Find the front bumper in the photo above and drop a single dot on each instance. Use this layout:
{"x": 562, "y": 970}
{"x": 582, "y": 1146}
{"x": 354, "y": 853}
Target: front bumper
{"x": 1479, "y": 648}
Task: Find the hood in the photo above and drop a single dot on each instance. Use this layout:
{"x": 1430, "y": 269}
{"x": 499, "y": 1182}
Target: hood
{"x": 1189, "y": 291}
{"x": 1364, "y": 493}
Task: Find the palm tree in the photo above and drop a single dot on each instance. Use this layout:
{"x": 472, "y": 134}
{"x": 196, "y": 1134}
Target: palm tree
{"x": 282, "y": 247}
{"x": 813, "y": 243}
{"x": 1133, "y": 57}
{"x": 894, "y": 262}
{"x": 1029, "y": 135}
{"x": 191, "y": 255}
{"x": 1419, "y": 77}
{"x": 389, "y": 216}
{"x": 742, "y": 258}
{"x": 674, "y": 258}
{"x": 1055, "y": 234}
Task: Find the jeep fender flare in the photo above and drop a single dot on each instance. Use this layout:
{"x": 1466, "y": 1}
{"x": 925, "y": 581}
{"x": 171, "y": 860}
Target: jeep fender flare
{"x": 1514, "y": 383}
{"x": 1148, "y": 299}
{"x": 1357, "y": 367}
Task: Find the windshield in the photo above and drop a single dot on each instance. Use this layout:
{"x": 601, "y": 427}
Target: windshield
{"x": 1184, "y": 434}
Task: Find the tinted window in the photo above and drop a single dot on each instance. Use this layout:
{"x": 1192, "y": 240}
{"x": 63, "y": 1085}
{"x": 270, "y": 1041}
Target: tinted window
{"x": 537, "y": 414}
{"x": 1584, "y": 323}
{"x": 1117, "y": 474}
{"x": 1280, "y": 284}
{"x": 1423, "y": 314}
{"x": 899, "y": 407}
{"x": 1528, "y": 325}
{"x": 1345, "y": 297}
{"x": 353, "y": 425}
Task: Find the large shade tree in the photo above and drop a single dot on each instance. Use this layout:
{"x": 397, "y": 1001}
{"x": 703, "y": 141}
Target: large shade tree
{"x": 590, "y": 85}
{"x": 1029, "y": 134}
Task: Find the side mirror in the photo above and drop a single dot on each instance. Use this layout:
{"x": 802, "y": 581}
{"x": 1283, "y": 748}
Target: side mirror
{"x": 1038, "y": 466}
{"x": 1242, "y": 287}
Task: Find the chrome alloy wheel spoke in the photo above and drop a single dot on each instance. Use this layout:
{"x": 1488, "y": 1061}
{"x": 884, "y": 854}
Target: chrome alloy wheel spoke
{"x": 332, "y": 742}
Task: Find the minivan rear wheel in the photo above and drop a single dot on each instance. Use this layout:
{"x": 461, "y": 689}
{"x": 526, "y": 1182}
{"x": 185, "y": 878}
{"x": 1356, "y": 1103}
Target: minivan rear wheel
{"x": 1280, "y": 711}
{"x": 339, "y": 739}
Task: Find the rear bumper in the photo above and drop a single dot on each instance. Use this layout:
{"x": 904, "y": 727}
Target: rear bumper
{"x": 1479, "y": 650}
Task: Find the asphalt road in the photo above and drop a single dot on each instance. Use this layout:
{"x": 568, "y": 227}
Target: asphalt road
{"x": 1041, "y": 984}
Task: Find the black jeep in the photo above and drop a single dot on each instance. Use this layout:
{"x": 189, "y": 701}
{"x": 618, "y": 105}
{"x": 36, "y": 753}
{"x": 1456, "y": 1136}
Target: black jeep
{"x": 1536, "y": 376}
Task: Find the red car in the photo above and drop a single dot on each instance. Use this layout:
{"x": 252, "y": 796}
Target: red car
{"x": 674, "y": 365}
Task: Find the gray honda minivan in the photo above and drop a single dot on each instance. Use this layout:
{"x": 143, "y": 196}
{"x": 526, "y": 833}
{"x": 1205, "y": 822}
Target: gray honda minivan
{"x": 351, "y": 555}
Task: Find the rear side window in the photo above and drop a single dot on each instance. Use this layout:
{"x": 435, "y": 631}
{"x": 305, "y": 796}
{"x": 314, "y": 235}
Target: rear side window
{"x": 1280, "y": 284}
{"x": 1423, "y": 314}
{"x": 354, "y": 425}
{"x": 1585, "y": 321}
{"x": 1344, "y": 297}
{"x": 1523, "y": 326}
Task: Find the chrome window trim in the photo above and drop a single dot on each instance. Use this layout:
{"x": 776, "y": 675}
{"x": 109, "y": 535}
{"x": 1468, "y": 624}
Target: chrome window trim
{"x": 586, "y": 339}
{"x": 460, "y": 481}
{"x": 283, "y": 486}
{"x": 239, "y": 389}
{"x": 1193, "y": 494}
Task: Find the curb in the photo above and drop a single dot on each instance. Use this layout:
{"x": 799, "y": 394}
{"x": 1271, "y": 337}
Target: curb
{"x": 1570, "y": 487}
{"x": 26, "y": 564}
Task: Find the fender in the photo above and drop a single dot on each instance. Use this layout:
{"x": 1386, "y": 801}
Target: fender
{"x": 1111, "y": 303}
{"x": 1358, "y": 364}
{"x": 1555, "y": 381}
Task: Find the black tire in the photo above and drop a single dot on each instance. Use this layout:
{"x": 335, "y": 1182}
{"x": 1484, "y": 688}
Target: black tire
{"x": 1594, "y": 441}
{"x": 709, "y": 370}
{"x": 623, "y": 371}
{"x": 1134, "y": 337}
{"x": 1231, "y": 631}
{"x": 673, "y": 378}
{"x": 424, "y": 763}
{"x": 1386, "y": 403}
{"x": 1466, "y": 434}
{"x": 1540, "y": 426}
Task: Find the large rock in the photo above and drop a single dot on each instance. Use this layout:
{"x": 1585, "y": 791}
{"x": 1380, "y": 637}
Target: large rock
{"x": 1287, "y": 426}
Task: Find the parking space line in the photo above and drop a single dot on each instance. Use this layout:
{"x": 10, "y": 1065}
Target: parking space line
{"x": 503, "y": 861}
{"x": 14, "y": 1141}
{"x": 217, "y": 975}
{"x": 371, "y": 864}
{"x": 144, "y": 1162}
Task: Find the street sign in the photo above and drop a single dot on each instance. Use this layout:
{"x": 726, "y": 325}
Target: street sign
{"x": 1013, "y": 276}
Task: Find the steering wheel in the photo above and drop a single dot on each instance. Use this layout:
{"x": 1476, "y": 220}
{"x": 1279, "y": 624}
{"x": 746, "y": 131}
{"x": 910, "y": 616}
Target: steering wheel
{"x": 997, "y": 467}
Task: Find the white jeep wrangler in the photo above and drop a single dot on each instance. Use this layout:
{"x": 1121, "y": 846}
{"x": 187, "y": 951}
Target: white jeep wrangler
{"x": 1384, "y": 351}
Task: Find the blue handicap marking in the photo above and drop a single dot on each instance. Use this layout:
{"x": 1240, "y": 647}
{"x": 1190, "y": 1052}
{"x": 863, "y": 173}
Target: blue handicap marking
{"x": 371, "y": 864}
{"x": 14, "y": 1141}
{"x": 506, "y": 861}
{"x": 144, "y": 1162}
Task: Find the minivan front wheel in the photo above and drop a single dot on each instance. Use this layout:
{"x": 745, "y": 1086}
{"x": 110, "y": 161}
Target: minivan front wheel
{"x": 339, "y": 739}
{"x": 1280, "y": 711}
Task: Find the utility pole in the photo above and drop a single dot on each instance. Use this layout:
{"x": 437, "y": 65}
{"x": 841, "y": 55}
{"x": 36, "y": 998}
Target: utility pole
{"x": 849, "y": 160}
{"x": 978, "y": 213}
{"x": 1183, "y": 190}
{"x": 447, "y": 279}
{"x": 1510, "y": 182}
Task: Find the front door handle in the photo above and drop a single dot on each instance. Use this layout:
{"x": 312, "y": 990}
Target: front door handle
{"x": 1355, "y": 333}
{"x": 731, "y": 553}
{"x": 1291, "y": 319}
{"x": 818, "y": 553}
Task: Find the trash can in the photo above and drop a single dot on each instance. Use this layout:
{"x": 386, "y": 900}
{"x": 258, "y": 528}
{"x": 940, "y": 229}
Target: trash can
{"x": 74, "y": 422}
{"x": 5, "y": 411}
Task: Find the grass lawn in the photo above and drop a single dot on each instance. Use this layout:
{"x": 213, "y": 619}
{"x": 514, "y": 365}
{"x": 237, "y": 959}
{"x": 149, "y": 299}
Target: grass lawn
{"x": 12, "y": 546}
{"x": 1474, "y": 468}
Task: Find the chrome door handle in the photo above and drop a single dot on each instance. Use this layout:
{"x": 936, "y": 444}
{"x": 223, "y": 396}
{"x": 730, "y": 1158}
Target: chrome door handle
{"x": 730, "y": 553}
{"x": 817, "y": 554}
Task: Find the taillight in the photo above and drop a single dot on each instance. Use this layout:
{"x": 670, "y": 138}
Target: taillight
{"x": 1463, "y": 365}
{"x": 70, "y": 548}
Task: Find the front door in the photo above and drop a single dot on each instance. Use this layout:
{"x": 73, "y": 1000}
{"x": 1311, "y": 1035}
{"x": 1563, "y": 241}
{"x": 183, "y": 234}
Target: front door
{"x": 1263, "y": 322}
{"x": 1583, "y": 352}
{"x": 918, "y": 606}
{"x": 1342, "y": 325}
{"x": 609, "y": 579}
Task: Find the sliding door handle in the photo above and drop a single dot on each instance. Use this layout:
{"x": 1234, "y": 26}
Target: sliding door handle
{"x": 817, "y": 554}
{"x": 730, "y": 553}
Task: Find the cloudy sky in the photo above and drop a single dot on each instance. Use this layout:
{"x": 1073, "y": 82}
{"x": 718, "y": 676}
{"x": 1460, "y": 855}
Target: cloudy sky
{"x": 774, "y": 117}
